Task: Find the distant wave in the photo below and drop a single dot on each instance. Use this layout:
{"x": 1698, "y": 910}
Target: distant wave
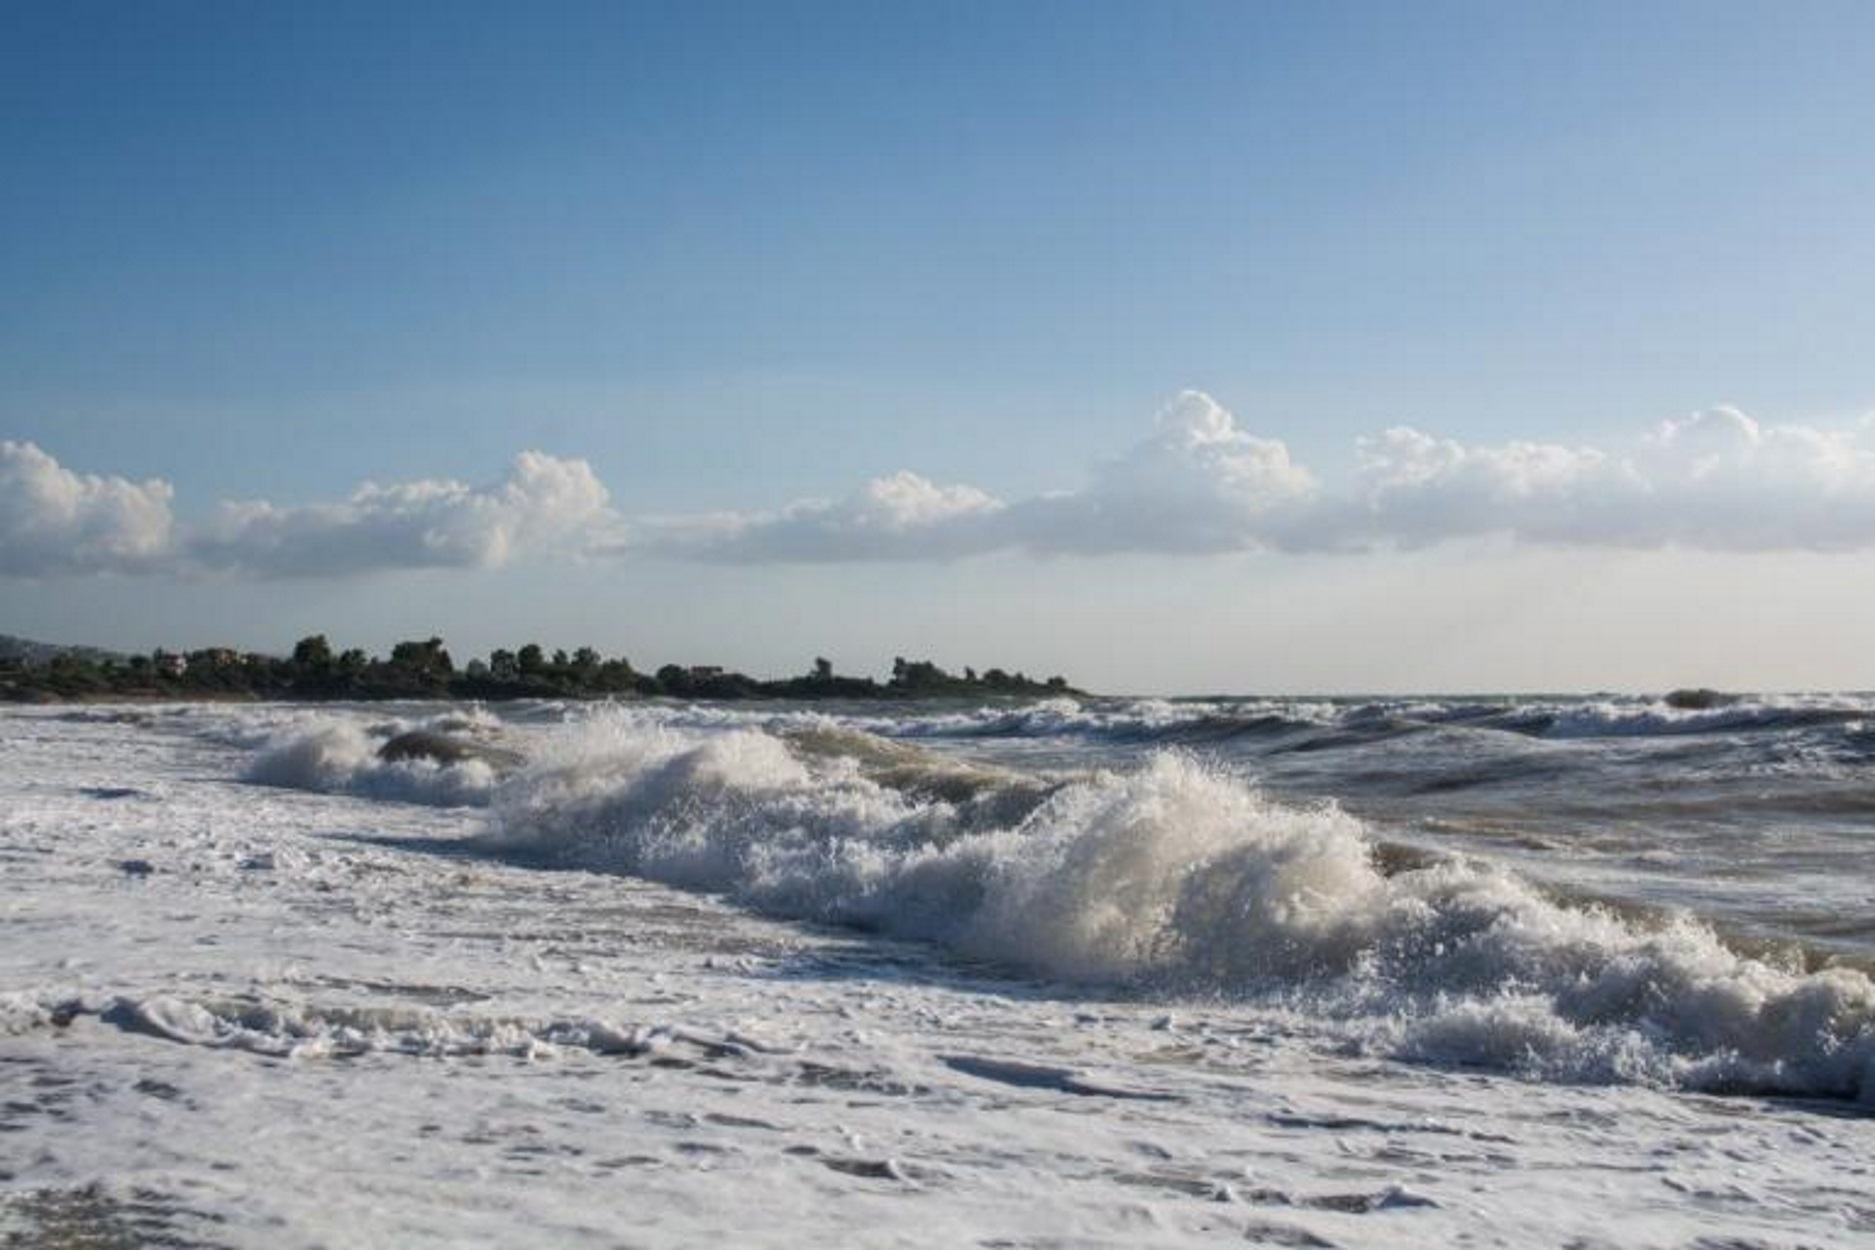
{"x": 1178, "y": 876}
{"x": 1324, "y": 724}
{"x": 1606, "y": 719}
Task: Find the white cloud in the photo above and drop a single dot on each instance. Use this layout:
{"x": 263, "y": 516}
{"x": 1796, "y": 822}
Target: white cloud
{"x": 411, "y": 525}
{"x": 1716, "y": 481}
{"x": 1413, "y": 489}
{"x": 899, "y": 517}
{"x": 1199, "y": 483}
{"x": 55, "y": 522}
{"x": 1727, "y": 483}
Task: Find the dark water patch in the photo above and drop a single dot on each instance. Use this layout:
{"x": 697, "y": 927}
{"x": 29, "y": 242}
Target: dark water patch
{"x": 442, "y": 748}
{"x": 92, "y": 1217}
{"x": 1038, "y": 1076}
{"x": 723, "y": 1120}
{"x": 1221, "y": 1189}
{"x": 869, "y": 1169}
{"x": 108, "y": 716}
{"x": 1214, "y": 729}
{"x": 1752, "y": 719}
{"x": 816, "y": 1075}
{"x": 1514, "y": 770}
{"x": 1702, "y": 699}
{"x": 1730, "y": 800}
{"x": 1394, "y": 858}
{"x": 1463, "y": 713}
{"x": 427, "y": 995}
{"x": 1492, "y": 832}
{"x": 1271, "y": 1233}
{"x": 1350, "y": 735}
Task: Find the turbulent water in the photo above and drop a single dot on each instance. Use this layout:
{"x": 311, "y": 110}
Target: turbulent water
{"x": 1310, "y": 972}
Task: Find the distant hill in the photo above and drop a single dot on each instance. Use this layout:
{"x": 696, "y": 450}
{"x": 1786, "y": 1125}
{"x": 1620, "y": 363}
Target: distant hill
{"x": 29, "y": 651}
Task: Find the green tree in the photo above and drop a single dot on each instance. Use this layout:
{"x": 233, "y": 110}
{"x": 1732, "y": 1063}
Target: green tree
{"x": 427, "y": 658}
{"x": 312, "y": 652}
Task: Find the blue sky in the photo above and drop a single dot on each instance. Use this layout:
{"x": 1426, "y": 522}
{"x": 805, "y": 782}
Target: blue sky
{"x": 735, "y": 256}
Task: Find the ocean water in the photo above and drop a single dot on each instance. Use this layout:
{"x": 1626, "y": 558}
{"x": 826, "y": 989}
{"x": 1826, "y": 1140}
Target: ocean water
{"x": 1519, "y": 971}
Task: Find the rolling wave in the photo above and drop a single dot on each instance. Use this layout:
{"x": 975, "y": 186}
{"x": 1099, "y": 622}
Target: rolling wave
{"x": 1176, "y": 877}
{"x": 444, "y": 761}
{"x": 1328, "y": 724}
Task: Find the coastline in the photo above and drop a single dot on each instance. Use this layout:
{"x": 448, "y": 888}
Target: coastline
{"x": 316, "y": 672}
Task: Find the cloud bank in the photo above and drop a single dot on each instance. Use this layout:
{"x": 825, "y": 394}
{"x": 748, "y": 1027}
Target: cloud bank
{"x": 1198, "y": 483}
{"x": 1715, "y": 481}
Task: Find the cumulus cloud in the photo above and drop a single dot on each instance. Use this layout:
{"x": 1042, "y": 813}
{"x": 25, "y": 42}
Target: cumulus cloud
{"x": 410, "y": 525}
{"x": 56, "y": 522}
{"x": 1199, "y": 483}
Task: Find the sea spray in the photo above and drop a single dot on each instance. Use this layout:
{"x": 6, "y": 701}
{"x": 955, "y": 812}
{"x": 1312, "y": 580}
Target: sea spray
{"x": 1175, "y": 876}
{"x": 341, "y": 756}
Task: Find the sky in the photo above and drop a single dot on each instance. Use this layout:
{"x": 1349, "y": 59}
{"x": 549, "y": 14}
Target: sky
{"x": 1177, "y": 348}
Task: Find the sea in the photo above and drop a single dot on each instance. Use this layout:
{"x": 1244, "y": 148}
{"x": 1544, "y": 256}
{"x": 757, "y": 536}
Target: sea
{"x": 1302, "y": 972}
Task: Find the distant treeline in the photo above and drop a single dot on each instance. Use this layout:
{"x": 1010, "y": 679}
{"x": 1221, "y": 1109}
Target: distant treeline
{"x": 424, "y": 670}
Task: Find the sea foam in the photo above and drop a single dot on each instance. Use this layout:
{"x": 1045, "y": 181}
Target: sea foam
{"x": 342, "y": 756}
{"x": 1179, "y": 877}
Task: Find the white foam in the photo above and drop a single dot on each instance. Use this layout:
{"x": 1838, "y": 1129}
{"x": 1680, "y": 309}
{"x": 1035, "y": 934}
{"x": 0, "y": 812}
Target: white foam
{"x": 1181, "y": 876}
{"x": 340, "y": 756}
{"x": 290, "y": 1030}
{"x": 379, "y": 1044}
{"x": 1636, "y": 717}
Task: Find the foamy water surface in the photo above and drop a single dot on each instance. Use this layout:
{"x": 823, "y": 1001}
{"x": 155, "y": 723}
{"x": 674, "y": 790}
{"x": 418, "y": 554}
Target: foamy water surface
{"x": 1302, "y": 972}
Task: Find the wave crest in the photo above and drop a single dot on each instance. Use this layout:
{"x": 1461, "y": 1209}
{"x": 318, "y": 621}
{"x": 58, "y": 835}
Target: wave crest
{"x": 345, "y": 757}
{"x": 1182, "y": 876}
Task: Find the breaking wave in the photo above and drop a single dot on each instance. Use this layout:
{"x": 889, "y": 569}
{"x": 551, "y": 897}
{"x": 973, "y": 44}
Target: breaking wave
{"x": 344, "y": 756}
{"x": 1327, "y": 724}
{"x": 1179, "y": 877}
